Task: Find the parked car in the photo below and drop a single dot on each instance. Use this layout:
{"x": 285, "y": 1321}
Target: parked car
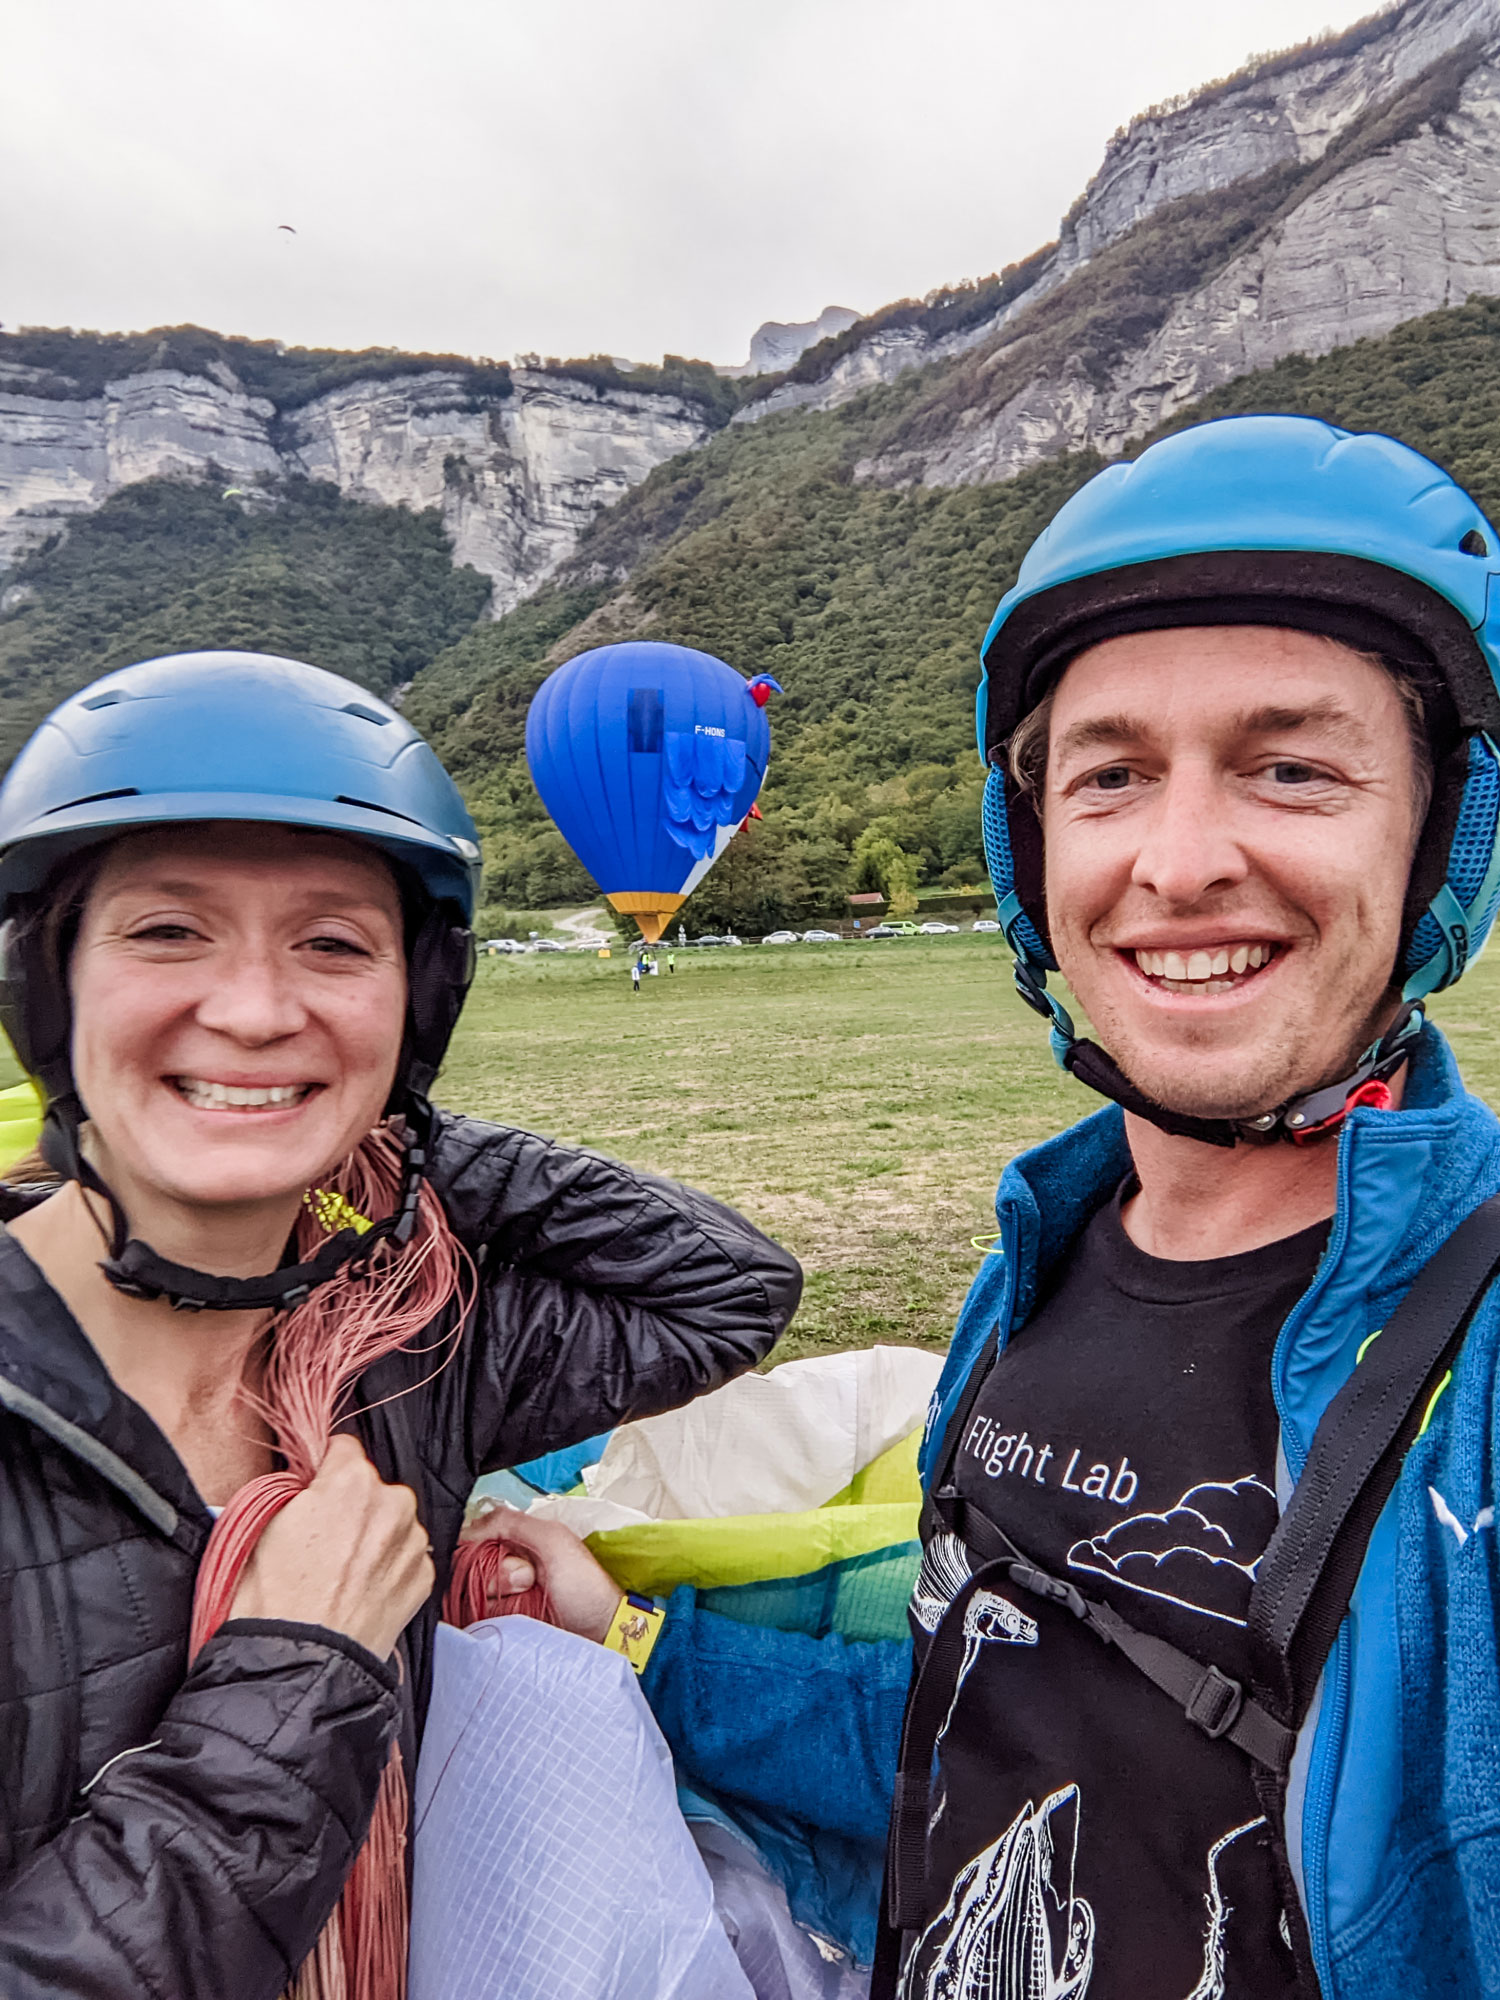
{"x": 881, "y": 931}
{"x": 710, "y": 939}
{"x": 501, "y": 947}
{"x": 934, "y": 929}
{"x": 901, "y": 927}
{"x": 985, "y": 924}
{"x": 780, "y": 937}
{"x": 547, "y": 944}
{"x": 821, "y": 937}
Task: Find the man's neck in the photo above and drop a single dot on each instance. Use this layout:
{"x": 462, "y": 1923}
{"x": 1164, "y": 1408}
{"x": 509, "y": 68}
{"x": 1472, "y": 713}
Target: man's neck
{"x": 1197, "y": 1202}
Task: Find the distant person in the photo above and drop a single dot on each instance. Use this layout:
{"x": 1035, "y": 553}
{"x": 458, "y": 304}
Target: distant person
{"x": 635, "y": 975}
{"x": 671, "y": 962}
{"x": 1242, "y": 703}
{"x": 235, "y": 988}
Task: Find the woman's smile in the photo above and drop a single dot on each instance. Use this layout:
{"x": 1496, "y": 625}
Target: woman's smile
{"x": 207, "y": 1094}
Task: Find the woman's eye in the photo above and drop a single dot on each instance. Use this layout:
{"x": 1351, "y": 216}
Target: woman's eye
{"x": 336, "y": 947}
{"x": 163, "y": 934}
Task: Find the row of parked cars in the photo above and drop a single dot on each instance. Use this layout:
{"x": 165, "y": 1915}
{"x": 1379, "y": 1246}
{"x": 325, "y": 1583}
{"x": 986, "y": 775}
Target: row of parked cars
{"x": 900, "y": 928}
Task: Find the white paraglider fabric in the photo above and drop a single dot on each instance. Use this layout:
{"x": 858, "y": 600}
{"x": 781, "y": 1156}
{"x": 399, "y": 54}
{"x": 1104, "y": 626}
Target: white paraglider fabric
{"x": 551, "y": 1860}
{"x": 781, "y": 1443}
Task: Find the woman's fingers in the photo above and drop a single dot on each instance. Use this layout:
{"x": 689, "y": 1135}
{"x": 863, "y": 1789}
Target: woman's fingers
{"x": 348, "y": 1553}
{"x": 584, "y": 1595}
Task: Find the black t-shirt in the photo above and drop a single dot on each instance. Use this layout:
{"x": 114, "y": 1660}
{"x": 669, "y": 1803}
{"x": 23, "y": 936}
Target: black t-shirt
{"x": 1097, "y": 1842}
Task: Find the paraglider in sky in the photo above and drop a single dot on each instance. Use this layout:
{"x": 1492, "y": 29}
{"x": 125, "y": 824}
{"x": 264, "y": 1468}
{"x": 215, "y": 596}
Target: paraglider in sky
{"x": 649, "y": 758}
{"x": 287, "y": 227}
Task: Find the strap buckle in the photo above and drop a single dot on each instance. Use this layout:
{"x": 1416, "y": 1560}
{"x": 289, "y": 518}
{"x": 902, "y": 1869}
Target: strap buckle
{"x": 1053, "y": 1588}
{"x": 1215, "y": 1703}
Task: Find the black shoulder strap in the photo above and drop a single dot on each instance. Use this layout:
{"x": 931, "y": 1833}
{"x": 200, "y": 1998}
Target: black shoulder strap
{"x": 1307, "y": 1575}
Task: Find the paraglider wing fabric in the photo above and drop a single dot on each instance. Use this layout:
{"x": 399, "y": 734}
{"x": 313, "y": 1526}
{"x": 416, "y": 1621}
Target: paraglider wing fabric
{"x": 551, "y": 1860}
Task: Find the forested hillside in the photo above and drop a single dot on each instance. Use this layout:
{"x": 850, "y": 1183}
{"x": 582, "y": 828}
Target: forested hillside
{"x": 868, "y": 605}
{"x": 166, "y": 567}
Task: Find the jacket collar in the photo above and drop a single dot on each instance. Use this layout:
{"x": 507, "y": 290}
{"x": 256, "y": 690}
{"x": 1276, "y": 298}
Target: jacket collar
{"x": 51, "y": 1376}
{"x": 1450, "y": 1140}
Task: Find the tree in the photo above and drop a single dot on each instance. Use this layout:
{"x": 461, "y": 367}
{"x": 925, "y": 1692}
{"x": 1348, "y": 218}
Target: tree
{"x": 880, "y": 864}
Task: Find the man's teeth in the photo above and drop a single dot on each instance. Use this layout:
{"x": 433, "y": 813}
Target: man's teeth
{"x": 1204, "y": 971}
{"x": 217, "y": 1096}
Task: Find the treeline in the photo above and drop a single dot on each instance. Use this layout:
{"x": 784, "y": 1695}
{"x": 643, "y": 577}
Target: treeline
{"x": 75, "y": 364}
{"x": 168, "y": 567}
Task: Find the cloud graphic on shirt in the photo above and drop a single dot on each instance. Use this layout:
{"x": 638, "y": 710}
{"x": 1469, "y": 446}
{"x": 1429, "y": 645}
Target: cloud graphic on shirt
{"x": 1202, "y": 1554}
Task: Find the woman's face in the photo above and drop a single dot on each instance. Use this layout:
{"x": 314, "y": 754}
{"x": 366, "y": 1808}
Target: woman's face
{"x": 239, "y": 994}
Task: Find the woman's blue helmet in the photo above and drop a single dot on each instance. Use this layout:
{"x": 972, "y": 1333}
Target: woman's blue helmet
{"x": 1283, "y": 521}
{"x": 233, "y": 736}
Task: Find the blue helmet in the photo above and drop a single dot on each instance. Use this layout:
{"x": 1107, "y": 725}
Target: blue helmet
{"x": 233, "y": 736}
{"x": 1283, "y": 521}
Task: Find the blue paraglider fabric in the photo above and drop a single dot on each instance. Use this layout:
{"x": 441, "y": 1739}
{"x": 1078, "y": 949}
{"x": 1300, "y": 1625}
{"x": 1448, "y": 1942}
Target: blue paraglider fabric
{"x": 645, "y": 754}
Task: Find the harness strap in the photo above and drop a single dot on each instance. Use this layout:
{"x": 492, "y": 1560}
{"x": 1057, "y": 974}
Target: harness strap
{"x": 1212, "y": 1700}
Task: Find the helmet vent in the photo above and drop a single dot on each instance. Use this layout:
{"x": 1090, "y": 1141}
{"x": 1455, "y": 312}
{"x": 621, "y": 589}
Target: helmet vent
{"x": 369, "y": 806}
{"x": 1474, "y": 544}
{"x": 95, "y": 798}
{"x": 366, "y": 714}
{"x": 106, "y": 700}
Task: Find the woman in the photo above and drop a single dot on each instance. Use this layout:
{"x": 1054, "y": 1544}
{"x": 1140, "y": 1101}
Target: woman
{"x": 236, "y": 895}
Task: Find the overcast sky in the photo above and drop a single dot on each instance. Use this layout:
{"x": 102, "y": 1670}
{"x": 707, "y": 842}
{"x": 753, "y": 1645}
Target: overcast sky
{"x": 567, "y": 176}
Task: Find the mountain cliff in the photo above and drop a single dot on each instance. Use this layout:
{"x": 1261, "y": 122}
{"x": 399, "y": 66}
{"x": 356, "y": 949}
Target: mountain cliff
{"x": 515, "y": 461}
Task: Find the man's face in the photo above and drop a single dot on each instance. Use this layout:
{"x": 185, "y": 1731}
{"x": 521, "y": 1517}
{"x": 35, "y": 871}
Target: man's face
{"x": 1229, "y": 819}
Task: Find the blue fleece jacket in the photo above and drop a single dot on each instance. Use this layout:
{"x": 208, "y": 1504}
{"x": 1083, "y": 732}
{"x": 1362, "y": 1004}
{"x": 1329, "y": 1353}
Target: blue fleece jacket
{"x": 1393, "y": 1813}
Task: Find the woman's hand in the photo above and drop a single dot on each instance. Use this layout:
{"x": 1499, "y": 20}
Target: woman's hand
{"x": 348, "y": 1553}
{"x": 584, "y": 1595}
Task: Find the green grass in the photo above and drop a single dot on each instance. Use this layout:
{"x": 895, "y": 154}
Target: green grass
{"x": 857, "y": 1101}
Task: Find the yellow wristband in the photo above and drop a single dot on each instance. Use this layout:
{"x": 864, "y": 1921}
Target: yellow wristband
{"x": 633, "y": 1629}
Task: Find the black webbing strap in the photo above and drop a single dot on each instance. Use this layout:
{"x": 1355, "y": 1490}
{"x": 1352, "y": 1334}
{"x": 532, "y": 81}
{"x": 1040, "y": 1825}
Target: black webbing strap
{"x": 1307, "y": 1575}
{"x": 1211, "y": 1700}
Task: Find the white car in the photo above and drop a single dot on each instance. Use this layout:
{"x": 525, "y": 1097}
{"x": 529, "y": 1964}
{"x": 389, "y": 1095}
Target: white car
{"x": 780, "y": 937}
{"x": 985, "y": 924}
{"x": 497, "y": 947}
{"x": 546, "y": 944}
{"x": 821, "y": 937}
{"x": 935, "y": 929}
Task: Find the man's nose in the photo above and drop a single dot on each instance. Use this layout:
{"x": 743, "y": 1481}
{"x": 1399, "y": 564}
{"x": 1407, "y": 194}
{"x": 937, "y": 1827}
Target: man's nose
{"x": 1189, "y": 846}
{"x": 254, "y": 1000}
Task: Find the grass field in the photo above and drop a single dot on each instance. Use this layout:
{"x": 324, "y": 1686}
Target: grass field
{"x": 857, "y": 1101}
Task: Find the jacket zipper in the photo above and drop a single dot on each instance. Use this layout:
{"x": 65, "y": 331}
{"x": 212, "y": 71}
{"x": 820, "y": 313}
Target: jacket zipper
{"x": 1328, "y": 1731}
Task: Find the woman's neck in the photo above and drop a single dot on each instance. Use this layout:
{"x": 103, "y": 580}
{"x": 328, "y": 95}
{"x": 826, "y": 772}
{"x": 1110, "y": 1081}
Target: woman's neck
{"x": 193, "y": 1373}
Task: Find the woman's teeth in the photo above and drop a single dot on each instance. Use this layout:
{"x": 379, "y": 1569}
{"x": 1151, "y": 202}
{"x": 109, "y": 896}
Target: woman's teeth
{"x": 1211, "y": 970}
{"x": 221, "y": 1096}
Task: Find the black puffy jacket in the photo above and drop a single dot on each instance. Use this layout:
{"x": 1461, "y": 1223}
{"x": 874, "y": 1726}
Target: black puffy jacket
{"x": 184, "y": 1833}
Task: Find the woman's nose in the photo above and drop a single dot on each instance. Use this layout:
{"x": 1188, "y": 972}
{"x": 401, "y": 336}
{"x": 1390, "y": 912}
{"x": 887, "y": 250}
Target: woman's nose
{"x": 1189, "y": 846}
{"x": 254, "y": 1000}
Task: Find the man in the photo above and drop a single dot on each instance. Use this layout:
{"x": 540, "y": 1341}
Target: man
{"x": 1238, "y": 713}
{"x": 1240, "y": 798}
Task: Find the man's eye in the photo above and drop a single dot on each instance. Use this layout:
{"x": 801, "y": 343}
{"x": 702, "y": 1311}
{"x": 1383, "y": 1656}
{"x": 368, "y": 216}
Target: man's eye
{"x": 1115, "y": 779}
{"x": 1290, "y": 773}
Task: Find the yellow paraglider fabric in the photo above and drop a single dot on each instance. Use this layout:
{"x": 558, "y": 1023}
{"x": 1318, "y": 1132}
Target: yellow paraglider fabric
{"x": 20, "y": 1121}
{"x": 877, "y": 1510}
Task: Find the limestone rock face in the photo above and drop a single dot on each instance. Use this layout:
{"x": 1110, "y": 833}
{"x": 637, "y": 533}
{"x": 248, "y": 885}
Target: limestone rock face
{"x": 776, "y": 344}
{"x": 1224, "y": 135}
{"x": 1402, "y": 233}
{"x": 62, "y": 458}
{"x": 517, "y": 478}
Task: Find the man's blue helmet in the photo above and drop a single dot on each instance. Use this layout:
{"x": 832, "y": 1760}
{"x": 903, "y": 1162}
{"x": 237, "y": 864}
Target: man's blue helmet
{"x": 1283, "y": 521}
{"x": 232, "y": 736}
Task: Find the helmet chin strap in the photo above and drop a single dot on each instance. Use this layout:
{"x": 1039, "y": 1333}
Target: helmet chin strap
{"x": 135, "y": 1269}
{"x": 1313, "y": 1115}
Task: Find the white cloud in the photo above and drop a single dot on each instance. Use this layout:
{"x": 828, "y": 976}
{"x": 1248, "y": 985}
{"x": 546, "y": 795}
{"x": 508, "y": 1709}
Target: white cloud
{"x": 619, "y": 175}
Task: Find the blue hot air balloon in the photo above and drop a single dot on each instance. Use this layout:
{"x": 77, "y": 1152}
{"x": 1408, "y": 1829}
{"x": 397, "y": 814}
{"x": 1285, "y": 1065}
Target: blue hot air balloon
{"x": 648, "y": 758}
